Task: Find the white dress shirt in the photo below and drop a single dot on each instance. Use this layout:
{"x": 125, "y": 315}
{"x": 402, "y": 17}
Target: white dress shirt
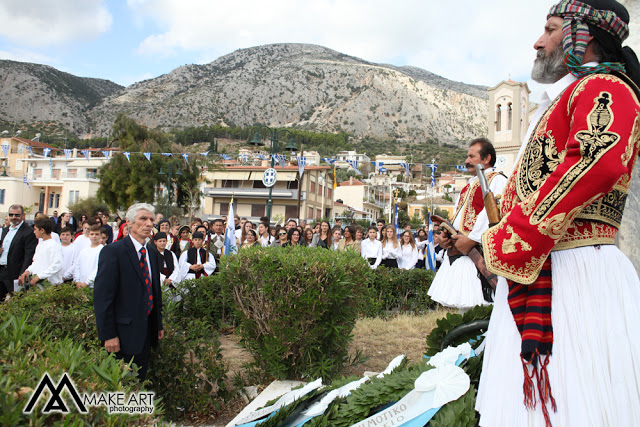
{"x": 409, "y": 257}
{"x": 6, "y": 244}
{"x": 389, "y": 252}
{"x": 371, "y": 249}
{"x": 47, "y": 261}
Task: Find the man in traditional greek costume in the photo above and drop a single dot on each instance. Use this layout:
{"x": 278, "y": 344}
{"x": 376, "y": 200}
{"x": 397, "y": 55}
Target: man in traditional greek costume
{"x": 457, "y": 284}
{"x": 563, "y": 345}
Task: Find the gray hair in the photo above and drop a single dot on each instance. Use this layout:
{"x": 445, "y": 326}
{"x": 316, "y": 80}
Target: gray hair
{"x": 14, "y": 207}
{"x": 133, "y": 210}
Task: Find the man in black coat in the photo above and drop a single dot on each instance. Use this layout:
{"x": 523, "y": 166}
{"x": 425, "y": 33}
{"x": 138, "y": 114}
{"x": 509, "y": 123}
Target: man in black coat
{"x": 127, "y": 300}
{"x": 17, "y": 247}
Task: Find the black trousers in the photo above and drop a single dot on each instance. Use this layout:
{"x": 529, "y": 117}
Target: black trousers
{"x": 140, "y": 359}
{"x": 390, "y": 263}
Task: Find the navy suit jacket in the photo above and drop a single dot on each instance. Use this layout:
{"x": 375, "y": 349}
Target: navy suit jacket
{"x": 21, "y": 251}
{"x": 119, "y": 297}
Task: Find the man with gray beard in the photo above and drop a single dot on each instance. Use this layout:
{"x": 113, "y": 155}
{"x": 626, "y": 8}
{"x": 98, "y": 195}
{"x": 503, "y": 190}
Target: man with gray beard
{"x": 563, "y": 346}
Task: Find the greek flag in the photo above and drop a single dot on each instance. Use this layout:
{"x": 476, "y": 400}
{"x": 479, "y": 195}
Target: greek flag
{"x": 407, "y": 168}
{"x": 433, "y": 174}
{"x": 186, "y": 157}
{"x": 5, "y": 149}
{"x": 148, "y": 156}
{"x": 85, "y": 153}
{"x": 167, "y": 154}
{"x": 127, "y": 155}
{"x": 67, "y": 153}
{"x": 302, "y": 161}
{"x": 46, "y": 151}
{"x": 224, "y": 156}
{"x": 279, "y": 158}
{"x": 24, "y": 181}
{"x": 378, "y": 166}
{"x": 461, "y": 168}
{"x": 430, "y": 253}
{"x": 106, "y": 153}
{"x": 396, "y": 223}
{"x": 30, "y": 150}
{"x": 206, "y": 153}
{"x": 354, "y": 165}
{"x": 230, "y": 233}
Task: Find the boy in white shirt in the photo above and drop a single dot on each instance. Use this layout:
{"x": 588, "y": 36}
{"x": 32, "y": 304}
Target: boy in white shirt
{"x": 196, "y": 261}
{"x": 68, "y": 251}
{"x": 47, "y": 260}
{"x": 86, "y": 264}
{"x": 169, "y": 268}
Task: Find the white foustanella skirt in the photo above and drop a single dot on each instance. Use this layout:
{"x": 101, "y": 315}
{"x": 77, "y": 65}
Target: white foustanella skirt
{"x": 457, "y": 285}
{"x": 594, "y": 369}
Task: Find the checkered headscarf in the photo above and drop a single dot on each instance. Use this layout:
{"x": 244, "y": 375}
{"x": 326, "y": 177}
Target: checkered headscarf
{"x": 575, "y": 32}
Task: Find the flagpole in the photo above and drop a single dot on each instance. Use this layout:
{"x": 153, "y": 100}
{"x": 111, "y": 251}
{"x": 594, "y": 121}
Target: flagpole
{"x": 300, "y": 182}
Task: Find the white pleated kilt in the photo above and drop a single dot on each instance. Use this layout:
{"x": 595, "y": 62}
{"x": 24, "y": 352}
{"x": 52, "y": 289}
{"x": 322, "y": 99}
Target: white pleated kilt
{"x": 457, "y": 285}
{"x": 594, "y": 369}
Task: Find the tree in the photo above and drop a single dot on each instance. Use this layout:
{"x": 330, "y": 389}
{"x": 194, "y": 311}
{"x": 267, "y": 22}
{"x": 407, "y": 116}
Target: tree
{"x": 124, "y": 182}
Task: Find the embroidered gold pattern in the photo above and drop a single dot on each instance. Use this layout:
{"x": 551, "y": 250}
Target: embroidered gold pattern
{"x": 594, "y": 143}
{"x": 634, "y": 140}
{"x": 539, "y": 160}
{"x": 529, "y": 204}
{"x": 509, "y": 245}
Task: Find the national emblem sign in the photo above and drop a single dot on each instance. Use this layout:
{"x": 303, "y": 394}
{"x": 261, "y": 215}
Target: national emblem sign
{"x": 269, "y": 177}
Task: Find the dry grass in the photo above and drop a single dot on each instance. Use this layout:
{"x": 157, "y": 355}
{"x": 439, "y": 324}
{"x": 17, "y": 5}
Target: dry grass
{"x": 378, "y": 340}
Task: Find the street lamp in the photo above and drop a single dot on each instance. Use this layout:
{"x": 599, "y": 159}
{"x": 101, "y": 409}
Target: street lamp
{"x": 169, "y": 175}
{"x": 273, "y": 134}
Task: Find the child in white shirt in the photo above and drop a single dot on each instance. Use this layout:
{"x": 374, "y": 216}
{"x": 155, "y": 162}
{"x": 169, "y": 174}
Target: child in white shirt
{"x": 196, "y": 261}
{"x": 68, "y": 251}
{"x": 86, "y": 264}
{"x": 47, "y": 260}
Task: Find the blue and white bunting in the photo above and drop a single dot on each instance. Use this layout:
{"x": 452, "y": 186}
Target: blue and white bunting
{"x": 186, "y": 157}
{"x": 430, "y": 253}
{"x": 24, "y": 181}
{"x": 5, "y": 149}
{"x": 85, "y": 153}
{"x": 205, "y": 154}
{"x": 67, "y": 153}
{"x": 167, "y": 154}
{"x": 354, "y": 166}
{"x": 30, "y": 150}
{"x": 46, "y": 151}
{"x": 462, "y": 168}
{"x": 328, "y": 160}
{"x": 302, "y": 161}
{"x": 224, "y": 156}
{"x": 282, "y": 160}
{"x": 127, "y": 155}
{"x": 106, "y": 153}
{"x": 148, "y": 156}
{"x": 378, "y": 166}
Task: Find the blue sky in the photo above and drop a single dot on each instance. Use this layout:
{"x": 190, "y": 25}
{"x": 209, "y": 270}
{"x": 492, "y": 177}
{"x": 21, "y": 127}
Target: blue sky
{"x": 131, "y": 40}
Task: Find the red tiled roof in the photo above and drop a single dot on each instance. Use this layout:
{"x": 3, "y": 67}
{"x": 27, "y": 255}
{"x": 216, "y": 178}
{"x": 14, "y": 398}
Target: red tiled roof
{"x": 355, "y": 182}
{"x": 35, "y": 143}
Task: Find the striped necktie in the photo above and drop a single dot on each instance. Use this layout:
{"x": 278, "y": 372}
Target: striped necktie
{"x": 147, "y": 280}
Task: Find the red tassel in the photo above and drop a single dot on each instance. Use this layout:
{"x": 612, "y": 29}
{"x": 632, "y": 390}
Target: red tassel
{"x": 544, "y": 388}
{"x": 527, "y": 388}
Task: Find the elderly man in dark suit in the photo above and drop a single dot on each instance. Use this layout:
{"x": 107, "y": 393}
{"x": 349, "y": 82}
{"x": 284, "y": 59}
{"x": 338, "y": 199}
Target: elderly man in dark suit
{"x": 17, "y": 247}
{"x": 126, "y": 297}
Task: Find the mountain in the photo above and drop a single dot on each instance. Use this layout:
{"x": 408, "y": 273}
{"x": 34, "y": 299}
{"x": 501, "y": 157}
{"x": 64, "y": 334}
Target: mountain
{"x": 307, "y": 86}
{"x": 33, "y": 92}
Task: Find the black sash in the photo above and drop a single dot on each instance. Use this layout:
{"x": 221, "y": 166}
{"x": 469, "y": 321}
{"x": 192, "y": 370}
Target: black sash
{"x": 191, "y": 259}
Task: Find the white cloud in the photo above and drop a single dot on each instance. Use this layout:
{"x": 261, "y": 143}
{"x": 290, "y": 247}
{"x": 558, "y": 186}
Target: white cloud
{"x": 45, "y": 22}
{"x": 470, "y": 41}
{"x": 22, "y": 55}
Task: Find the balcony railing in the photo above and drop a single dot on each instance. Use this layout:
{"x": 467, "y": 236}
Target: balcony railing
{"x": 254, "y": 193}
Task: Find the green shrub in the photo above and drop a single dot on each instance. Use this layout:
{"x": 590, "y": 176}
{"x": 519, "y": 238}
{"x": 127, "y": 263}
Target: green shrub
{"x": 452, "y": 320}
{"x": 27, "y": 352}
{"x": 296, "y": 307}
{"x": 63, "y": 311}
{"x": 397, "y": 289}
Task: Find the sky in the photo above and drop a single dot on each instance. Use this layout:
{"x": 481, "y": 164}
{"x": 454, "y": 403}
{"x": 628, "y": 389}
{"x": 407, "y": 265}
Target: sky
{"x": 126, "y": 41}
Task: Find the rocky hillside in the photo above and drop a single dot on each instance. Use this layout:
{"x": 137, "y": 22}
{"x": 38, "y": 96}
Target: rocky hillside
{"x": 309, "y": 86}
{"x": 39, "y": 93}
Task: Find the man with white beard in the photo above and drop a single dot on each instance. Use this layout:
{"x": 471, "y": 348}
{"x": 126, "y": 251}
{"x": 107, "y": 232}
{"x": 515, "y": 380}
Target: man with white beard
{"x": 571, "y": 356}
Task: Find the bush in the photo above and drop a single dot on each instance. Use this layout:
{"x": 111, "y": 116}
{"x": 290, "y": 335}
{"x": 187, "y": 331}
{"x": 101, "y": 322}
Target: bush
{"x": 201, "y": 299}
{"x": 296, "y": 307}
{"x": 27, "y": 352}
{"x": 396, "y": 289}
{"x": 185, "y": 371}
{"x": 89, "y": 207}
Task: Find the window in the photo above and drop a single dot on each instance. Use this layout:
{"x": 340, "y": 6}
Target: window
{"x": 292, "y": 185}
{"x": 2, "y": 197}
{"x": 498, "y": 118}
{"x": 318, "y": 214}
{"x": 73, "y": 196}
{"x": 313, "y": 188}
{"x": 310, "y": 212}
{"x": 37, "y": 173}
{"x": 92, "y": 173}
{"x": 55, "y": 173}
{"x": 328, "y": 193}
{"x": 258, "y": 184}
{"x": 51, "y": 198}
{"x": 227, "y": 183}
{"x": 320, "y": 190}
{"x": 257, "y": 210}
{"x": 290, "y": 212}
{"x": 510, "y": 111}
{"x": 72, "y": 173}
{"x": 57, "y": 204}
{"x": 224, "y": 208}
